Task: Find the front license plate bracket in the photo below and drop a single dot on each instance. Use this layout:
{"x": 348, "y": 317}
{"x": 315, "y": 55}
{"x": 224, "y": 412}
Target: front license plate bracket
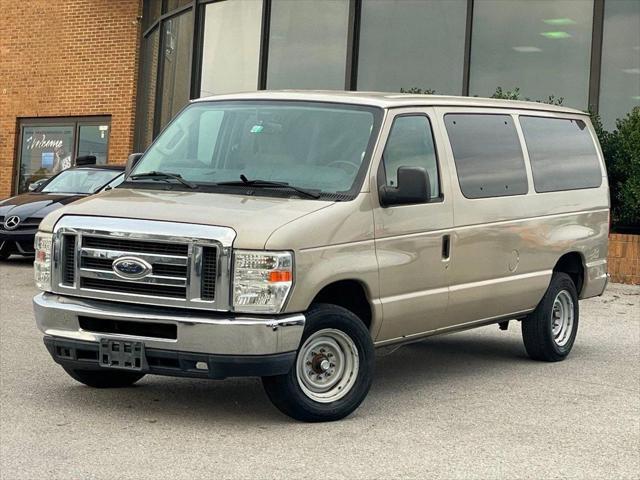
{"x": 122, "y": 354}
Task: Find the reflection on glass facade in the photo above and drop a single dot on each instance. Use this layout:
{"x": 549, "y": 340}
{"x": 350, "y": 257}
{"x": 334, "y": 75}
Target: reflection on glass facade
{"x": 308, "y": 44}
{"x": 456, "y": 47}
{"x": 176, "y": 57}
{"x": 541, "y": 47}
{"x": 417, "y": 44}
{"x": 93, "y": 140}
{"x": 620, "y": 78}
{"x": 45, "y": 151}
{"x": 231, "y": 47}
{"x": 146, "y": 97}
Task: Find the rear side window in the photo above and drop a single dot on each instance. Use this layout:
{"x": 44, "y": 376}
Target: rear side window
{"x": 487, "y": 154}
{"x": 562, "y": 153}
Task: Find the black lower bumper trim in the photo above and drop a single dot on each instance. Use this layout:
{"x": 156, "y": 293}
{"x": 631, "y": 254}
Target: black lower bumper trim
{"x": 84, "y": 355}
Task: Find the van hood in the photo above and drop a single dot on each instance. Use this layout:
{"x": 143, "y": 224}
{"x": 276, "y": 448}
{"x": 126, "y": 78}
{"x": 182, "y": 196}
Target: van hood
{"x": 253, "y": 218}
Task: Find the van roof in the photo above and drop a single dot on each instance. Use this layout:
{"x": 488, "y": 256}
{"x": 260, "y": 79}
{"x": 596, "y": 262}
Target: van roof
{"x": 390, "y": 100}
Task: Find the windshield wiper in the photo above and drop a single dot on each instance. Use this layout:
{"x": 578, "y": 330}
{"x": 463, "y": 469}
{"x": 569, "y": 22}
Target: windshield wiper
{"x": 156, "y": 175}
{"x": 270, "y": 184}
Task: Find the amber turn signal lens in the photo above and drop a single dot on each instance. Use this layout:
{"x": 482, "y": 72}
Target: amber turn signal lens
{"x": 276, "y": 276}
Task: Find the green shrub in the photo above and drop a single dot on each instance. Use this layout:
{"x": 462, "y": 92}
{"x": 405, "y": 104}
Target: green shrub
{"x": 422, "y": 91}
{"x": 621, "y": 150}
{"x": 515, "y": 95}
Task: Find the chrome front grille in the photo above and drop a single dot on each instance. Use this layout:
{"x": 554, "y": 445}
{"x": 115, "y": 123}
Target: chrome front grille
{"x": 139, "y": 246}
{"x": 98, "y": 253}
{"x": 69, "y": 259}
{"x": 186, "y": 265}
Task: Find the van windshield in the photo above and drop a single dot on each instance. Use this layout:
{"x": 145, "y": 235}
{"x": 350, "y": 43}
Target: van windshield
{"x": 321, "y": 147}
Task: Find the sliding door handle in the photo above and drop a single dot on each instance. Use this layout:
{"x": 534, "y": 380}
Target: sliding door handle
{"x": 446, "y": 247}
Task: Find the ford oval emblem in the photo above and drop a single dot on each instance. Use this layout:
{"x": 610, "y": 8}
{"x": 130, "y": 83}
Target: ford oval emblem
{"x": 131, "y": 268}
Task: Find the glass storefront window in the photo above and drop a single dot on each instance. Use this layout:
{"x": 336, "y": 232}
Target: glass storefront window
{"x": 147, "y": 86}
{"x": 176, "y": 57}
{"x": 620, "y": 78}
{"x": 45, "y": 151}
{"x": 308, "y": 44}
{"x": 50, "y": 146}
{"x": 231, "y": 47}
{"x": 541, "y": 47}
{"x": 419, "y": 44}
{"x": 93, "y": 140}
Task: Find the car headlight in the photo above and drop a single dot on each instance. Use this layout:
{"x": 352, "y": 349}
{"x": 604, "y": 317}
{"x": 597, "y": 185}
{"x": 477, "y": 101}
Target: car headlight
{"x": 261, "y": 280}
{"x": 42, "y": 264}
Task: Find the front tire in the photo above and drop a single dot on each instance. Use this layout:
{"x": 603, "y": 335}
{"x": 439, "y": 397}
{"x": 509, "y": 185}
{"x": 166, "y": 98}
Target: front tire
{"x": 550, "y": 330}
{"x": 104, "y": 379}
{"x": 333, "y": 370}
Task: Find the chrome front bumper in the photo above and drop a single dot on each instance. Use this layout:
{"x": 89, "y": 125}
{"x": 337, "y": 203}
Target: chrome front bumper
{"x": 217, "y": 334}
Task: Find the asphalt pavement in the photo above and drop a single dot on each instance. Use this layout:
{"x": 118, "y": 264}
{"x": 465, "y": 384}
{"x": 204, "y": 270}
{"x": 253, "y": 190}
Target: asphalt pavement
{"x": 466, "y": 405}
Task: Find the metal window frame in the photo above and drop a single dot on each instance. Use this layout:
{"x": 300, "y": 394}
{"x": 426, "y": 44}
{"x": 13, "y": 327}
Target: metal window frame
{"x": 264, "y": 45}
{"x": 595, "y": 68}
{"x": 468, "y": 31}
{"x": 353, "y": 45}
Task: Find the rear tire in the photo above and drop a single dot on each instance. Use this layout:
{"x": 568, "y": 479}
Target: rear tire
{"x": 104, "y": 379}
{"x": 333, "y": 370}
{"x": 550, "y": 330}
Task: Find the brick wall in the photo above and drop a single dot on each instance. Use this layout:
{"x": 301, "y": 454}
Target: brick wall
{"x": 67, "y": 58}
{"x": 624, "y": 258}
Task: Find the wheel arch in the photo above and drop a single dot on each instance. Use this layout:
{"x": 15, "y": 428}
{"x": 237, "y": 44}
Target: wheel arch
{"x": 351, "y": 294}
{"x": 572, "y": 263}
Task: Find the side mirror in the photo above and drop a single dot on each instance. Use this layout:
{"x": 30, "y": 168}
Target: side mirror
{"x": 86, "y": 160}
{"x": 413, "y": 187}
{"x": 133, "y": 159}
{"x": 35, "y": 185}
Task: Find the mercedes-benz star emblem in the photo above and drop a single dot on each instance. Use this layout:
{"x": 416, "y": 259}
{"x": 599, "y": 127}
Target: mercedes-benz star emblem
{"x": 12, "y": 222}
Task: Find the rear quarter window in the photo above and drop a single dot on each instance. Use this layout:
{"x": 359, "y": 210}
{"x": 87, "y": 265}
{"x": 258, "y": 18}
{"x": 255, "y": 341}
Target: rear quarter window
{"x": 562, "y": 154}
{"x": 487, "y": 155}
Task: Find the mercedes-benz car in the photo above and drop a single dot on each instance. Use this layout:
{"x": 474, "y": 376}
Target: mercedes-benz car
{"x": 21, "y": 215}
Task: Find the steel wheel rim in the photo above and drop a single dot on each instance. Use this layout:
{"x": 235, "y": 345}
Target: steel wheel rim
{"x": 327, "y": 365}
{"x": 562, "y": 318}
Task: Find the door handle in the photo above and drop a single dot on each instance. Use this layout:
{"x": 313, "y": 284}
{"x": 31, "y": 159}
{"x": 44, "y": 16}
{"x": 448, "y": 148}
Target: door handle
{"x": 446, "y": 247}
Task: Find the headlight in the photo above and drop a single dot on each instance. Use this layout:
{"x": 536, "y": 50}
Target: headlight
{"x": 261, "y": 280}
{"x": 42, "y": 263}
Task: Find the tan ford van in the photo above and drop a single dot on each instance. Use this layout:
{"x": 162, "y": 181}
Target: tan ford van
{"x": 285, "y": 235}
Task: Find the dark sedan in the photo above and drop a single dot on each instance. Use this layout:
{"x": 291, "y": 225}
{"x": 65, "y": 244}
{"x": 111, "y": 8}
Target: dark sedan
{"x": 21, "y": 215}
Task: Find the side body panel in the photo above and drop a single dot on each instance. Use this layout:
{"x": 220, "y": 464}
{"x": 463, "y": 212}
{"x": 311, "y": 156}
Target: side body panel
{"x": 504, "y": 249}
{"x": 414, "y": 275}
{"x": 330, "y": 245}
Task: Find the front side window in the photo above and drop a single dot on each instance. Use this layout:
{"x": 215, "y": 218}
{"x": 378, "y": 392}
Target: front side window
{"x": 562, "y": 154}
{"x": 317, "y": 146}
{"x": 80, "y": 181}
{"x": 487, "y": 155}
{"x": 410, "y": 144}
